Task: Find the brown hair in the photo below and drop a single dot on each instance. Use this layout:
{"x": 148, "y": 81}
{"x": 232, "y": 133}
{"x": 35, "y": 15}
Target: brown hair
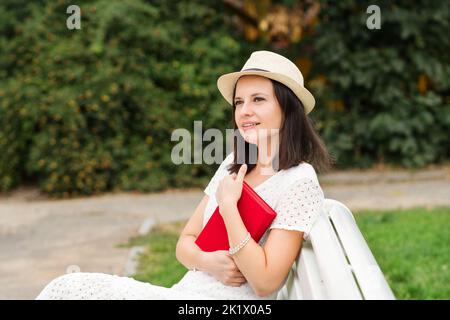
{"x": 299, "y": 140}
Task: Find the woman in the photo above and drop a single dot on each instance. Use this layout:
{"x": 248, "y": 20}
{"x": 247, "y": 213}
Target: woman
{"x": 270, "y": 107}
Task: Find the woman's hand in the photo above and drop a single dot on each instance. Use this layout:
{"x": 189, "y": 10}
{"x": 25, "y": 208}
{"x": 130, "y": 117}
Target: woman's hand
{"x": 222, "y": 267}
{"x": 230, "y": 188}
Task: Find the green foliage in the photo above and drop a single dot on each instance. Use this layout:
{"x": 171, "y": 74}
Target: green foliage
{"x": 93, "y": 110}
{"x": 392, "y": 84}
{"x": 90, "y": 110}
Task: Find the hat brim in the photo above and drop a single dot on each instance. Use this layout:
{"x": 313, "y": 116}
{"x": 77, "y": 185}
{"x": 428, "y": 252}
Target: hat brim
{"x": 227, "y": 82}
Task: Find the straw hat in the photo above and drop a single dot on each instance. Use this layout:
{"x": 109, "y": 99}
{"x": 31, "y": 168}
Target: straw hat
{"x": 270, "y": 65}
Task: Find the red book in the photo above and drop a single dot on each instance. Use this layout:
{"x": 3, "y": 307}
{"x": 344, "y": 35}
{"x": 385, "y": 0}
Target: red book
{"x": 256, "y": 214}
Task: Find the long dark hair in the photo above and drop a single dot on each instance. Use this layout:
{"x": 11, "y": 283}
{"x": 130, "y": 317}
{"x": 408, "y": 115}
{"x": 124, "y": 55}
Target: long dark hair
{"x": 298, "y": 140}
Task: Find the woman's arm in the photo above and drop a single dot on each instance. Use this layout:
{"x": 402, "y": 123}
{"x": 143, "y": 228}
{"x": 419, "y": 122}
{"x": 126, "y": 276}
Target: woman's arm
{"x": 219, "y": 263}
{"x": 187, "y": 252}
{"x": 265, "y": 268}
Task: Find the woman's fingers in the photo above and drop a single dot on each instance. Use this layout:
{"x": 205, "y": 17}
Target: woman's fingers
{"x": 239, "y": 277}
{"x": 240, "y": 281}
{"x": 236, "y": 278}
{"x": 241, "y": 173}
{"x": 237, "y": 284}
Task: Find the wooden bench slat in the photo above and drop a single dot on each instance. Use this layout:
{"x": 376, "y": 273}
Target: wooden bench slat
{"x": 336, "y": 262}
{"x": 368, "y": 274}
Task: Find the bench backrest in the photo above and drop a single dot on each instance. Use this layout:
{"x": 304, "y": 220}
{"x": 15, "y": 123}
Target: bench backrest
{"x": 336, "y": 262}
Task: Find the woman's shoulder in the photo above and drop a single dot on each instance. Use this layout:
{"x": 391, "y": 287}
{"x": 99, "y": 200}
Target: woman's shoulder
{"x": 229, "y": 158}
{"x": 302, "y": 171}
{"x": 227, "y": 161}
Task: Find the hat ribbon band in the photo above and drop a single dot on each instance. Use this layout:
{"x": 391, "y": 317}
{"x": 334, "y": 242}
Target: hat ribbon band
{"x": 255, "y": 69}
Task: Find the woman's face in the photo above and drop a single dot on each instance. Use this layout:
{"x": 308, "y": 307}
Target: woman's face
{"x": 256, "y": 102}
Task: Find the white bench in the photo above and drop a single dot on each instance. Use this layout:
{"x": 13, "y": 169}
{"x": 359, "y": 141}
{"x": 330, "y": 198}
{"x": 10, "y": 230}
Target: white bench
{"x": 336, "y": 262}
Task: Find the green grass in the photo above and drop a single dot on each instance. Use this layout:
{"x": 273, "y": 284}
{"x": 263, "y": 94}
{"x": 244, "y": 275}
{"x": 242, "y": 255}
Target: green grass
{"x": 411, "y": 246}
{"x": 158, "y": 264}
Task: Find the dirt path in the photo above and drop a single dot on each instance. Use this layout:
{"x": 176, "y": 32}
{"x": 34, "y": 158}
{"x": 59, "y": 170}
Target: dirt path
{"x": 41, "y": 239}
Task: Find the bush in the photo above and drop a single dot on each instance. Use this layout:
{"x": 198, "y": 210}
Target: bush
{"x": 90, "y": 110}
{"x": 382, "y": 95}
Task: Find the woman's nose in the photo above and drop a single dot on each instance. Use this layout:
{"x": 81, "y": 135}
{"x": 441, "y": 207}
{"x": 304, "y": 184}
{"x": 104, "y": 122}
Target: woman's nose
{"x": 246, "y": 108}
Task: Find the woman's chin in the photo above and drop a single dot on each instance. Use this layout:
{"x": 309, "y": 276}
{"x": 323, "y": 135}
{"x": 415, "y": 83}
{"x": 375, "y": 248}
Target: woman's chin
{"x": 255, "y": 136}
{"x": 250, "y": 137}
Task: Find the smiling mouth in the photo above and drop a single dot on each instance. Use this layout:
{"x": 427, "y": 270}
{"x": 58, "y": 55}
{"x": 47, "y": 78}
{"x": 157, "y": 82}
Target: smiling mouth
{"x": 249, "y": 127}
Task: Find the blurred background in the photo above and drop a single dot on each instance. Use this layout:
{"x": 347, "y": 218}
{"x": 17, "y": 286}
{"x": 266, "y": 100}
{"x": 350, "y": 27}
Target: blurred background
{"x": 90, "y": 111}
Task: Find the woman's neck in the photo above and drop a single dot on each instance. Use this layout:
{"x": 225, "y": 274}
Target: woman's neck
{"x": 266, "y": 153}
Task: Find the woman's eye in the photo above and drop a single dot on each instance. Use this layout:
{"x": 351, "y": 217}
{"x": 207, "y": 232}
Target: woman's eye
{"x": 256, "y": 99}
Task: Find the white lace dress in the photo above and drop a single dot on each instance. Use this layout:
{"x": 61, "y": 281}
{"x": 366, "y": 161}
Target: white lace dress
{"x": 296, "y": 196}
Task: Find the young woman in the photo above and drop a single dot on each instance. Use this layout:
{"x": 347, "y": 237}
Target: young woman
{"x": 270, "y": 107}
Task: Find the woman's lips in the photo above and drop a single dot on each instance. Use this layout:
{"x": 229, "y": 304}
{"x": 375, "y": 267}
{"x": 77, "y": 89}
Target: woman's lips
{"x": 250, "y": 127}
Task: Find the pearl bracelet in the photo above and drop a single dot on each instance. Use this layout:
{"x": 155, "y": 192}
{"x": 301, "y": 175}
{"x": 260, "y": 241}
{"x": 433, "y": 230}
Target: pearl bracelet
{"x": 236, "y": 249}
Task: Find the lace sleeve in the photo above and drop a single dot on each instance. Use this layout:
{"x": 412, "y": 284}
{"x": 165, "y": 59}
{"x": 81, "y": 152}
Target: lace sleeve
{"x": 218, "y": 175}
{"x": 299, "y": 206}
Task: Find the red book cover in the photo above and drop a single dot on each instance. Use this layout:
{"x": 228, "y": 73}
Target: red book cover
{"x": 256, "y": 214}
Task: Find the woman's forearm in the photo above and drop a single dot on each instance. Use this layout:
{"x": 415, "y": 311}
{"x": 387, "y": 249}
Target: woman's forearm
{"x": 190, "y": 255}
{"x": 251, "y": 259}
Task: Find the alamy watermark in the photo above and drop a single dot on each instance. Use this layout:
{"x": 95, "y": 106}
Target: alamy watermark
{"x": 73, "y": 268}
{"x": 190, "y": 146}
{"x": 74, "y": 20}
{"x": 374, "y": 20}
